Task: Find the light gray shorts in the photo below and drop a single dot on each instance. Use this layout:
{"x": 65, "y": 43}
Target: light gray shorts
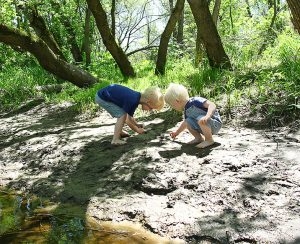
{"x": 113, "y": 109}
{"x": 194, "y": 114}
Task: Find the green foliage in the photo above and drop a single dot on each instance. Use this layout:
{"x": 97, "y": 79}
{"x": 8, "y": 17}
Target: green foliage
{"x": 179, "y": 70}
{"x": 18, "y": 85}
{"x": 289, "y": 50}
{"x": 12, "y": 211}
{"x": 275, "y": 86}
{"x": 279, "y": 88}
{"x": 269, "y": 80}
{"x": 66, "y": 231}
{"x": 244, "y": 35}
{"x": 7, "y": 217}
{"x": 83, "y": 99}
{"x": 23, "y": 212}
{"x": 104, "y": 67}
{"x": 6, "y": 11}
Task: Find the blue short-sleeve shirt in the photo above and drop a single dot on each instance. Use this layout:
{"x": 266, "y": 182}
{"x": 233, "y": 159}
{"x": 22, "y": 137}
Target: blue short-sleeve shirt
{"x": 198, "y": 102}
{"x": 122, "y": 96}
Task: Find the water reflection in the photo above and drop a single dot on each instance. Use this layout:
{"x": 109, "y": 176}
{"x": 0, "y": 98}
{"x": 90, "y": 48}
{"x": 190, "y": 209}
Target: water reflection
{"x": 28, "y": 219}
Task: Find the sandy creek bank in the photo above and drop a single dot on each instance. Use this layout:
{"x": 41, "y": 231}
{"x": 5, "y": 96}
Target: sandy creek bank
{"x": 245, "y": 188}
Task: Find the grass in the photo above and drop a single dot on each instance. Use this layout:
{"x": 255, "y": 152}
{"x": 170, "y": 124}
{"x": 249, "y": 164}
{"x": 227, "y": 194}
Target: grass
{"x": 274, "y": 87}
{"x": 17, "y": 85}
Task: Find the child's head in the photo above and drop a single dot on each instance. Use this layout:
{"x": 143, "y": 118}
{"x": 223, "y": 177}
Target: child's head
{"x": 176, "y": 96}
{"x": 154, "y": 97}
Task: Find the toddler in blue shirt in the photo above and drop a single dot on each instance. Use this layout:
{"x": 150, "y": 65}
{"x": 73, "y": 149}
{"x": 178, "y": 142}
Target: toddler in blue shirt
{"x": 121, "y": 102}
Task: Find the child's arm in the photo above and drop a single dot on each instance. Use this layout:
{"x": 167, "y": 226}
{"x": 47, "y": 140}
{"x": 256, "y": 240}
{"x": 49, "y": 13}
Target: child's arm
{"x": 131, "y": 122}
{"x": 181, "y": 128}
{"x": 140, "y": 125}
{"x": 211, "y": 108}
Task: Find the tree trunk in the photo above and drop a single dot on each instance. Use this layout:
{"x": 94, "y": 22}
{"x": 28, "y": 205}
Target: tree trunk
{"x": 41, "y": 30}
{"x": 209, "y": 34}
{"x": 179, "y": 37}
{"x": 71, "y": 37}
{"x": 86, "y": 40}
{"x": 294, "y": 6}
{"x": 46, "y": 57}
{"x": 165, "y": 37}
{"x": 171, "y": 6}
{"x": 75, "y": 50}
{"x": 216, "y": 11}
{"x": 248, "y": 9}
{"x": 108, "y": 39}
{"x": 199, "y": 53}
{"x": 113, "y": 18}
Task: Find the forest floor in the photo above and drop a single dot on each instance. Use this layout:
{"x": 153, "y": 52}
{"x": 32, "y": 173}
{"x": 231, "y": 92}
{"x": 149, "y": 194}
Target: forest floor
{"x": 245, "y": 188}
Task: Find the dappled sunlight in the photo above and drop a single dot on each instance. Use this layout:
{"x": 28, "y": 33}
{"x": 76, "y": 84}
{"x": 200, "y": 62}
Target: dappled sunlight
{"x": 172, "y": 188}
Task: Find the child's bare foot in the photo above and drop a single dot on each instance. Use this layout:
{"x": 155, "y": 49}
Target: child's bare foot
{"x": 195, "y": 141}
{"x": 124, "y": 134}
{"x": 205, "y": 144}
{"x": 118, "y": 142}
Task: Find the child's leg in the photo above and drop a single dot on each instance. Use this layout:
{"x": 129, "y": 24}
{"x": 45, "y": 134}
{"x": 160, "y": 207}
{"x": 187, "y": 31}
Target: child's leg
{"x": 198, "y": 136}
{"x": 208, "y": 136}
{"x": 117, "y": 112}
{"x": 118, "y": 130}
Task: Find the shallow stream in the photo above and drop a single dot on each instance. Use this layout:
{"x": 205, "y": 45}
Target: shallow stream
{"x": 29, "y": 219}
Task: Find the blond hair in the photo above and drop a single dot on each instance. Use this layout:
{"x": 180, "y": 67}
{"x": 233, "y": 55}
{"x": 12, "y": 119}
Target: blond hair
{"x": 155, "y": 97}
{"x": 176, "y": 92}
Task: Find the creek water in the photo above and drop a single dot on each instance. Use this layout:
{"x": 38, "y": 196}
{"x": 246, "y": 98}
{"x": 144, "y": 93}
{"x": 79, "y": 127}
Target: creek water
{"x": 28, "y": 219}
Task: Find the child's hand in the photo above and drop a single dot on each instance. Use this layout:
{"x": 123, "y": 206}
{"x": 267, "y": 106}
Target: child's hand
{"x": 140, "y": 125}
{"x": 173, "y": 135}
{"x": 204, "y": 120}
{"x": 140, "y": 130}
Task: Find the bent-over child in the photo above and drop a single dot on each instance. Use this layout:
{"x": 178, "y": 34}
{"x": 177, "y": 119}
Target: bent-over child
{"x": 201, "y": 117}
{"x": 121, "y": 102}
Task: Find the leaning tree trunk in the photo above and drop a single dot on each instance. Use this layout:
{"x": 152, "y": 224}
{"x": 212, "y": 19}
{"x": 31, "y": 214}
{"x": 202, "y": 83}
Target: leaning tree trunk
{"x": 165, "y": 37}
{"x": 294, "y": 6}
{"x": 109, "y": 40}
{"x": 209, "y": 34}
{"x": 41, "y": 30}
{"x": 46, "y": 57}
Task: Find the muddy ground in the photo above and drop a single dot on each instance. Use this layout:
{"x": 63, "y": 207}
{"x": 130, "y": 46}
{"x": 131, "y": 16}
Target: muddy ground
{"x": 245, "y": 188}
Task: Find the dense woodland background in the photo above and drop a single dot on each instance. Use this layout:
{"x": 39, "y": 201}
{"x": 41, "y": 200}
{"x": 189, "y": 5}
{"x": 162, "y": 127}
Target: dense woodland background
{"x": 239, "y": 53}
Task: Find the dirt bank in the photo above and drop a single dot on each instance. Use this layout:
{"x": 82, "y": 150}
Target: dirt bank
{"x": 244, "y": 188}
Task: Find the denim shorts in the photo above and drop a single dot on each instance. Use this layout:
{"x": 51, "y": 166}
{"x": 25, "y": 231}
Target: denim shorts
{"x": 113, "y": 109}
{"x": 194, "y": 114}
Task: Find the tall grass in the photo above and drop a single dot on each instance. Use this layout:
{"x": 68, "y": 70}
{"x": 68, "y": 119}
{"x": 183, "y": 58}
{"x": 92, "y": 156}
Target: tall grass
{"x": 17, "y": 84}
